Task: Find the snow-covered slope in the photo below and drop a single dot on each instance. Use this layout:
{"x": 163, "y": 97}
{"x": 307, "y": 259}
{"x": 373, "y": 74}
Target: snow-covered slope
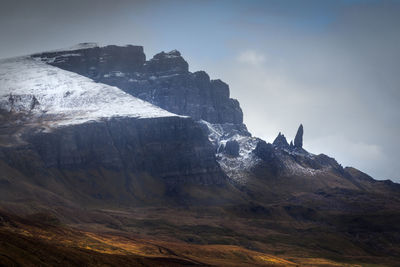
{"x": 235, "y": 167}
{"x": 43, "y": 91}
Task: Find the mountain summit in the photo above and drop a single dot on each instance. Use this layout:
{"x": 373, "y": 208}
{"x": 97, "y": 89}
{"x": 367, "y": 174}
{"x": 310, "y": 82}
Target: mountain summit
{"x": 123, "y": 148}
{"x": 164, "y": 80}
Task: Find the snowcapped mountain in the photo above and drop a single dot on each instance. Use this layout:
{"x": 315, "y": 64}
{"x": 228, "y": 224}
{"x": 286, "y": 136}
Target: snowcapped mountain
{"x": 64, "y": 120}
{"x": 164, "y": 80}
{"x": 89, "y": 83}
{"x": 136, "y": 145}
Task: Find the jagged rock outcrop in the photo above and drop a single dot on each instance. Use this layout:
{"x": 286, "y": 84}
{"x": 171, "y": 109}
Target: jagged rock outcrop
{"x": 298, "y": 140}
{"x": 280, "y": 141}
{"x": 163, "y": 80}
{"x": 232, "y": 148}
{"x": 288, "y": 159}
{"x": 265, "y": 151}
{"x": 167, "y": 63}
{"x": 93, "y": 61}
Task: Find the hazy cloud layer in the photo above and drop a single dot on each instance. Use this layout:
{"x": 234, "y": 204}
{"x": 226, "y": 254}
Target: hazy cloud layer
{"x": 332, "y": 65}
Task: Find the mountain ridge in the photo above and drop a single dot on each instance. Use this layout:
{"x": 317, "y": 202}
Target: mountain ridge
{"x": 168, "y": 67}
{"x": 163, "y": 80}
{"x": 188, "y": 171}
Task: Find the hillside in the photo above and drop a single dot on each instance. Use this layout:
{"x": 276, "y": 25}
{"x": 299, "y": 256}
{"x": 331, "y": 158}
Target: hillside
{"x": 152, "y": 164}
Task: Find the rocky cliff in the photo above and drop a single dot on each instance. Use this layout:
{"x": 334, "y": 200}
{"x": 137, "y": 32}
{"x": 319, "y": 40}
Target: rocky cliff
{"x": 171, "y": 148}
{"x": 164, "y": 80}
{"x": 114, "y": 159}
{"x": 95, "y": 140}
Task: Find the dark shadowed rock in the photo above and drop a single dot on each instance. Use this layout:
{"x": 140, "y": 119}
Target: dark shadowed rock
{"x": 232, "y": 148}
{"x": 221, "y": 148}
{"x": 280, "y": 141}
{"x": 95, "y": 62}
{"x": 298, "y": 140}
{"x": 264, "y": 151}
{"x": 164, "y": 63}
{"x": 173, "y": 149}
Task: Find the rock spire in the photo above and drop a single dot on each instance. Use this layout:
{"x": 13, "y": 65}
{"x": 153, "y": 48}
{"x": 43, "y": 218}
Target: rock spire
{"x": 280, "y": 141}
{"x": 298, "y": 140}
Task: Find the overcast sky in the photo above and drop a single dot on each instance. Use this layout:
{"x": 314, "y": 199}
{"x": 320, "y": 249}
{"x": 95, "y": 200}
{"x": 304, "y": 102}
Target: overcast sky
{"x": 332, "y": 65}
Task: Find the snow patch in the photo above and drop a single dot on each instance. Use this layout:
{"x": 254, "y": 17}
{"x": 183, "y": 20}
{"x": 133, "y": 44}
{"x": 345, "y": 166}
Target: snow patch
{"x": 119, "y": 74}
{"x": 77, "y": 47}
{"x": 114, "y": 74}
{"x": 235, "y": 167}
{"x": 294, "y": 168}
{"x": 59, "y": 58}
{"x": 31, "y": 86}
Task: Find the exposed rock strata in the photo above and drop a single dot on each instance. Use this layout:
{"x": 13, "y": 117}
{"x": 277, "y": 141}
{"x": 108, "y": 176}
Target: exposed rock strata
{"x": 164, "y": 80}
{"x": 172, "y": 148}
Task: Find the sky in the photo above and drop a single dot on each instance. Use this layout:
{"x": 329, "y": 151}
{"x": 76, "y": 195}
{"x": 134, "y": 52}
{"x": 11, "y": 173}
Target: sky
{"x": 333, "y": 66}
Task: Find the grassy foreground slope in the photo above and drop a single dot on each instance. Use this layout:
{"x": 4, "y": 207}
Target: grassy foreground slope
{"x": 41, "y": 240}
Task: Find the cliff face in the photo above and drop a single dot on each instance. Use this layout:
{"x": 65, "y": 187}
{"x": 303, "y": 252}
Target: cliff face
{"x": 121, "y": 160}
{"x": 91, "y": 140}
{"x": 92, "y": 60}
{"x": 172, "y": 148}
{"x": 164, "y": 80}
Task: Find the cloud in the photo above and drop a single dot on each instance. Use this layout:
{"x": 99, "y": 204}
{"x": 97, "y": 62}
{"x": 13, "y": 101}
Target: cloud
{"x": 356, "y": 150}
{"x": 251, "y": 57}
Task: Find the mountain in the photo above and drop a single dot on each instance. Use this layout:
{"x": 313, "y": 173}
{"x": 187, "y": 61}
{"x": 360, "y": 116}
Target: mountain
{"x": 57, "y": 124}
{"x": 164, "y": 80}
{"x": 104, "y": 142}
